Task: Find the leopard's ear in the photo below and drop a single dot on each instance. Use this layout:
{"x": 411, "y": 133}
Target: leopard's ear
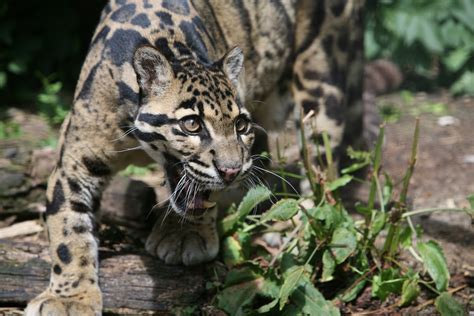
{"x": 232, "y": 64}
{"x": 154, "y": 72}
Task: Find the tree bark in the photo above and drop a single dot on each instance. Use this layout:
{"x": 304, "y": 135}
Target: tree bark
{"x": 131, "y": 283}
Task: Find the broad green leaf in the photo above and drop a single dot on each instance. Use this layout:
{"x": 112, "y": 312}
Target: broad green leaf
{"x": 446, "y": 305}
{"x": 329, "y": 265}
{"x": 311, "y": 301}
{"x": 410, "y": 291}
{"x": 455, "y": 60}
{"x": 234, "y": 298}
{"x": 352, "y": 294}
{"x": 464, "y": 84}
{"x": 287, "y": 262}
{"x": 340, "y": 182}
{"x": 292, "y": 279}
{"x": 345, "y": 243}
{"x": 388, "y": 281}
{"x": 232, "y": 251}
{"x": 253, "y": 197}
{"x": 405, "y": 238}
{"x": 281, "y": 211}
{"x": 241, "y": 275}
{"x": 435, "y": 263}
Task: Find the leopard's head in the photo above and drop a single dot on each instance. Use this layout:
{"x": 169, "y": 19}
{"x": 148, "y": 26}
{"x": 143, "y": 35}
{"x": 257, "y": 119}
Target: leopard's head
{"x": 192, "y": 121}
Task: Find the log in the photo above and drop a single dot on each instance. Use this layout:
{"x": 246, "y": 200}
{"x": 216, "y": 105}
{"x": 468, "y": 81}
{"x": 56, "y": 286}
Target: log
{"x": 132, "y": 283}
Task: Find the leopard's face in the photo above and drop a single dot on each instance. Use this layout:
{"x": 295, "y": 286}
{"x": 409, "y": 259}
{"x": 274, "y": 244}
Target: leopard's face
{"x": 191, "y": 118}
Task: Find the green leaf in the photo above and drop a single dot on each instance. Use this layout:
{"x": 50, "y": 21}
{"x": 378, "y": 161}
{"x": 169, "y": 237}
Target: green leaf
{"x": 464, "y": 84}
{"x": 16, "y": 67}
{"x": 346, "y": 244}
{"x": 446, "y": 305}
{"x": 267, "y": 307}
{"x": 456, "y": 59}
{"x": 378, "y": 223}
{"x": 281, "y": 211}
{"x": 253, "y": 197}
{"x": 3, "y": 79}
{"x": 470, "y": 198}
{"x": 329, "y": 266}
{"x": 292, "y": 279}
{"x": 405, "y": 238}
{"x": 435, "y": 263}
{"x": 388, "y": 281}
{"x": 232, "y": 251}
{"x": 234, "y": 298}
{"x": 352, "y": 294}
{"x": 410, "y": 291}
{"x": 311, "y": 301}
{"x": 340, "y": 182}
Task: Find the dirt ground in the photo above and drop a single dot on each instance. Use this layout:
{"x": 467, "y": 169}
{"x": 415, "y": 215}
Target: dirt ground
{"x": 444, "y": 173}
{"x": 443, "y": 178}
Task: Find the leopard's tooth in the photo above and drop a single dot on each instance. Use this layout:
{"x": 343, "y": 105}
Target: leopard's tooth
{"x": 208, "y": 204}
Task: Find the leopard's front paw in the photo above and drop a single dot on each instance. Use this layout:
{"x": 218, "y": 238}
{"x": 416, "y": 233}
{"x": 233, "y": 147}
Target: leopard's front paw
{"x": 184, "y": 244}
{"x": 88, "y": 303}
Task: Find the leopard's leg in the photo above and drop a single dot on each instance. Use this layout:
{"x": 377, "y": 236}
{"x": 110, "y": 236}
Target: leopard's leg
{"x": 87, "y": 160}
{"x": 327, "y": 74}
{"x": 189, "y": 241}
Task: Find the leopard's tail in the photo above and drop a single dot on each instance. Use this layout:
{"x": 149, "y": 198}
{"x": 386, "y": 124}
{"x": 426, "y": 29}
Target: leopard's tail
{"x": 380, "y": 76}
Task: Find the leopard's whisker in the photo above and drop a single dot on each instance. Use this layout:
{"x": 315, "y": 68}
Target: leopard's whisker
{"x": 131, "y": 130}
{"x": 125, "y": 150}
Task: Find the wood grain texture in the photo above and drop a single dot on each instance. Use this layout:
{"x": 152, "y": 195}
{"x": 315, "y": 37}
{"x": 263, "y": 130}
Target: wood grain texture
{"x": 131, "y": 283}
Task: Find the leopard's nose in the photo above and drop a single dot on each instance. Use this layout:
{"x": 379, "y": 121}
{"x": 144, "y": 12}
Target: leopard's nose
{"x": 228, "y": 174}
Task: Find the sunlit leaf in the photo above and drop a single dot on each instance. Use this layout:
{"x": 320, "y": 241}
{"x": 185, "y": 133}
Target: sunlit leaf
{"x": 292, "y": 279}
{"x": 435, "y": 263}
{"x": 410, "y": 291}
{"x": 281, "y": 211}
{"x": 253, "y": 197}
{"x": 329, "y": 265}
{"x": 232, "y": 251}
{"x": 340, "y": 182}
{"x": 344, "y": 242}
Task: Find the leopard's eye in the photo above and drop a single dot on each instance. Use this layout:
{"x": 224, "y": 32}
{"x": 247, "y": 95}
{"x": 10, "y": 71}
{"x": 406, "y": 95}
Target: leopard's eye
{"x": 191, "y": 124}
{"x": 242, "y": 125}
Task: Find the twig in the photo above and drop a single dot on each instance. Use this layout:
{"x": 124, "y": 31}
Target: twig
{"x": 457, "y": 289}
{"x": 360, "y": 279}
{"x": 285, "y": 243}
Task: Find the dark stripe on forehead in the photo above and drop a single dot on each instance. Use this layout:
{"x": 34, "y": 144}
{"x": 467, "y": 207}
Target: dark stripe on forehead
{"x": 188, "y": 104}
{"x": 149, "y": 137}
{"x": 156, "y": 120}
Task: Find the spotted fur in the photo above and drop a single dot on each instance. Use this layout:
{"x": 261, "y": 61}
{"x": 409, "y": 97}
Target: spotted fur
{"x": 167, "y": 77}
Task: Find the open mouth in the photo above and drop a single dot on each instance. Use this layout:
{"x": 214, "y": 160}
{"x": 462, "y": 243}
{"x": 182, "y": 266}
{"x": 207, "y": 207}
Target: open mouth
{"x": 187, "y": 196}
